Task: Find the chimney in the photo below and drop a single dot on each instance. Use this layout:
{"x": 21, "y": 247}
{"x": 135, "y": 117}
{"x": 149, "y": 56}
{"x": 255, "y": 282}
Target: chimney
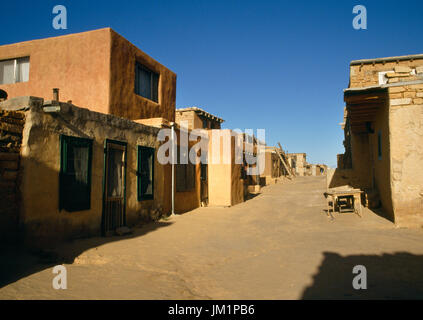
{"x": 56, "y": 94}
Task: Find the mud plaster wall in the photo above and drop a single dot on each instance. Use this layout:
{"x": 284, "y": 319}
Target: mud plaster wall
{"x": 77, "y": 64}
{"x": 41, "y": 166}
{"x": 220, "y": 182}
{"x": 226, "y": 188}
{"x": 406, "y": 123}
{"x": 381, "y": 171}
{"x": 359, "y": 176}
{"x": 123, "y": 100}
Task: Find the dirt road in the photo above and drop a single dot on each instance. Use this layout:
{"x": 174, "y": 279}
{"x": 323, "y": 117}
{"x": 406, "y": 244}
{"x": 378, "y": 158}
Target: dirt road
{"x": 278, "y": 245}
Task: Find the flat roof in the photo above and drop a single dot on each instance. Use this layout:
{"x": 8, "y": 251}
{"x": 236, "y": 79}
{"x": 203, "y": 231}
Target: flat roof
{"x": 201, "y": 112}
{"x": 381, "y": 86}
{"x": 387, "y": 59}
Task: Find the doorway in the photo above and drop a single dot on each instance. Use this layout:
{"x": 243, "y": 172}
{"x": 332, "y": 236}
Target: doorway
{"x": 204, "y": 189}
{"x": 114, "y": 192}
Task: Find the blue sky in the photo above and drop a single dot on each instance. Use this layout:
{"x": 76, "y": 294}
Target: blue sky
{"x": 275, "y": 65}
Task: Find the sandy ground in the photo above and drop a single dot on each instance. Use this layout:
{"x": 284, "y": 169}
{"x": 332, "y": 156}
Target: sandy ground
{"x": 278, "y": 245}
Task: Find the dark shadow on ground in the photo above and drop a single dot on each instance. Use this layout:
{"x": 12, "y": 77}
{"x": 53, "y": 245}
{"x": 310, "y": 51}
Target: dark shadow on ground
{"x": 250, "y": 196}
{"x": 389, "y": 276}
{"x": 18, "y": 261}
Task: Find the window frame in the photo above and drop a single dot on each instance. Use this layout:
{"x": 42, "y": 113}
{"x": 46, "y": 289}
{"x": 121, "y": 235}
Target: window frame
{"x": 154, "y": 77}
{"x": 15, "y": 69}
{"x": 66, "y": 141}
{"x": 152, "y": 152}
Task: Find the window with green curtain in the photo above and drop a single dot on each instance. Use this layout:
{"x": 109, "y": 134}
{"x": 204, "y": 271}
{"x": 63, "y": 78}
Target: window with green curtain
{"x": 75, "y": 173}
{"x": 145, "y": 173}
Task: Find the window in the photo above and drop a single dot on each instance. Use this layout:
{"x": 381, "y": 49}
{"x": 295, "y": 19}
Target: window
{"x": 379, "y": 145}
{"x": 145, "y": 173}
{"x": 205, "y": 124}
{"x": 184, "y": 173}
{"x": 146, "y": 82}
{"x": 14, "y": 70}
{"x": 75, "y": 173}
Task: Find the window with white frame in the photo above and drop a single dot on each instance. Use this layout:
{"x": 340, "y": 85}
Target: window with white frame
{"x": 14, "y": 70}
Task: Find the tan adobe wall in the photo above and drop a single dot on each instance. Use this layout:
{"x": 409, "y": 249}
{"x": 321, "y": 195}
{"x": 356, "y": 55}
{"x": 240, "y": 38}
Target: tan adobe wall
{"x": 77, "y": 64}
{"x": 382, "y": 166}
{"x": 226, "y": 188}
{"x": 406, "y": 131}
{"x": 123, "y": 100}
{"x": 186, "y": 116}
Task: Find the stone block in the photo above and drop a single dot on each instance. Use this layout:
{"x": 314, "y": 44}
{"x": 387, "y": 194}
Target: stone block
{"x": 399, "y": 102}
{"x": 402, "y": 69}
{"x": 416, "y": 86}
{"x": 419, "y": 69}
{"x": 396, "y": 89}
{"x": 410, "y": 94}
{"x": 418, "y": 101}
{"x": 395, "y": 95}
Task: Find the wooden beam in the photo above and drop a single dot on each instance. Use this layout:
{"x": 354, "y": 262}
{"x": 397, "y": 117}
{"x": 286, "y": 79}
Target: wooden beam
{"x": 287, "y": 168}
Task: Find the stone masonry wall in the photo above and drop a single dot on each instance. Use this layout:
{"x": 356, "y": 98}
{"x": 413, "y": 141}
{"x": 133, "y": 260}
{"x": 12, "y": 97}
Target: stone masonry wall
{"x": 11, "y": 127}
{"x": 389, "y": 72}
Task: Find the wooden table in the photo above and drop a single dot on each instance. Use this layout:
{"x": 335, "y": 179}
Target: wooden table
{"x": 355, "y": 194}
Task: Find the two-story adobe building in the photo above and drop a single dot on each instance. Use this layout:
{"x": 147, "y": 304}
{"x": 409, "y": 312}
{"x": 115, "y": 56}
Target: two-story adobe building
{"x": 99, "y": 70}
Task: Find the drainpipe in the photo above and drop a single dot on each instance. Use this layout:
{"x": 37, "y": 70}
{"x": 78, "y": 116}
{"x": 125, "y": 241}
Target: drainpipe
{"x": 173, "y": 167}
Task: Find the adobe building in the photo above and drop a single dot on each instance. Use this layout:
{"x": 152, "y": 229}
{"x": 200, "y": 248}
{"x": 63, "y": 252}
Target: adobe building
{"x": 197, "y": 118}
{"x": 274, "y": 170}
{"x": 70, "y": 172}
{"x": 99, "y": 70}
{"x": 383, "y": 136}
{"x": 298, "y": 162}
{"x": 129, "y": 97}
{"x": 222, "y": 180}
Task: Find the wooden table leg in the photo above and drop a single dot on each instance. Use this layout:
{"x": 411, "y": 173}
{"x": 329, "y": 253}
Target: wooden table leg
{"x": 357, "y": 205}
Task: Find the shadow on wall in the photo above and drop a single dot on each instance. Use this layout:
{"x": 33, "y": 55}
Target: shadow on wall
{"x": 17, "y": 262}
{"x": 389, "y": 276}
